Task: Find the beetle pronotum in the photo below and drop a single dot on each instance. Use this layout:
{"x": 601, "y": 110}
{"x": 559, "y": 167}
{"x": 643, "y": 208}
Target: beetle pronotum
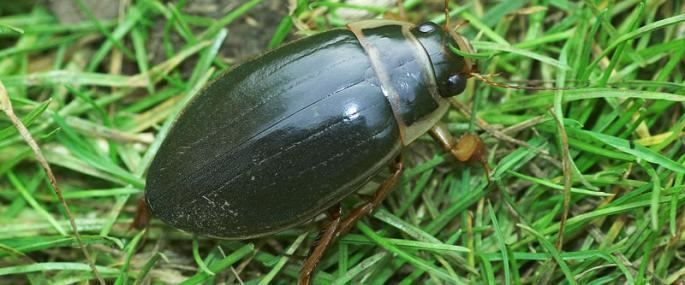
{"x": 286, "y": 136}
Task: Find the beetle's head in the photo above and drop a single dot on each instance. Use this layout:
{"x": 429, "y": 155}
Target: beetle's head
{"x": 451, "y": 70}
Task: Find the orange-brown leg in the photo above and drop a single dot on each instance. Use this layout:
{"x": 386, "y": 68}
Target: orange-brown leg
{"x": 468, "y": 148}
{"x": 339, "y": 226}
{"x": 378, "y": 197}
{"x": 143, "y": 216}
{"x": 325, "y": 239}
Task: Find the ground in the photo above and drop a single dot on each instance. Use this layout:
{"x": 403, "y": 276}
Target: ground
{"x": 579, "y": 104}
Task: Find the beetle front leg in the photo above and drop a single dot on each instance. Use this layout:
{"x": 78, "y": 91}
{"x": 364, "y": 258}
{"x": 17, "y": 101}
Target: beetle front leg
{"x": 468, "y": 148}
{"x": 323, "y": 241}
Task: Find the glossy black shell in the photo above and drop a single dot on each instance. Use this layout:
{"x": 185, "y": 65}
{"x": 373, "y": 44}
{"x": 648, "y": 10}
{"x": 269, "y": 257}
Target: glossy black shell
{"x": 275, "y": 141}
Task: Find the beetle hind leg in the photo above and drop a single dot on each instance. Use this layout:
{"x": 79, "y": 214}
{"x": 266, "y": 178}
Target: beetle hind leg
{"x": 339, "y": 226}
{"x": 323, "y": 241}
{"x": 468, "y": 148}
{"x": 142, "y": 217}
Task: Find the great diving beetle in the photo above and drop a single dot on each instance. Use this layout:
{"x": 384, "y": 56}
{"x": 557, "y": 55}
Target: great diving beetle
{"x": 287, "y": 135}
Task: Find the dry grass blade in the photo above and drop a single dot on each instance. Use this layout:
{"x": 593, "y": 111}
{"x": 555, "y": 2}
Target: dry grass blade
{"x": 7, "y": 108}
{"x": 566, "y": 169}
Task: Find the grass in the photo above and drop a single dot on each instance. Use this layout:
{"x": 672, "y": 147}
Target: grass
{"x": 586, "y": 181}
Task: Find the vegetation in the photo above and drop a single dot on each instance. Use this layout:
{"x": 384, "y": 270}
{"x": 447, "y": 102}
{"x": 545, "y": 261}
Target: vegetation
{"x": 587, "y": 172}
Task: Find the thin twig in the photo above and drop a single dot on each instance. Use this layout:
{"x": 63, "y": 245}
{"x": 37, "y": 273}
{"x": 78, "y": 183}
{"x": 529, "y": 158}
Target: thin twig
{"x": 403, "y": 13}
{"x": 527, "y": 124}
{"x": 26, "y": 135}
{"x": 566, "y": 167}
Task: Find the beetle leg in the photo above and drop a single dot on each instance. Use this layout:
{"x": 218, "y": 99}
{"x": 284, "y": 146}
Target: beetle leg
{"x": 339, "y": 226}
{"x": 468, "y": 148}
{"x": 378, "y": 197}
{"x": 143, "y": 216}
{"x": 324, "y": 239}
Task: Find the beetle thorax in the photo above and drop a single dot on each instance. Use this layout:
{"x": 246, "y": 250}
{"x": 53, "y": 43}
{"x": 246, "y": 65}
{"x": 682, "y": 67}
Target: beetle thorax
{"x": 405, "y": 74}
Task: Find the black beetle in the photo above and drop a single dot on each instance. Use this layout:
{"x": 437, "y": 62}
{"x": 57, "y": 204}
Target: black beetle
{"x": 287, "y": 135}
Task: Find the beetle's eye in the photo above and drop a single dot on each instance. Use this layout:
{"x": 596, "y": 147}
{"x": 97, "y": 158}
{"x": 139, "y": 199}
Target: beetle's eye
{"x": 426, "y": 28}
{"x": 455, "y": 84}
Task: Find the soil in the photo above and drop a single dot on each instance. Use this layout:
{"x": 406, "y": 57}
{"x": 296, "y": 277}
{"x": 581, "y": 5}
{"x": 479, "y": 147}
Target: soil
{"x": 250, "y": 34}
{"x": 68, "y": 12}
{"x": 247, "y": 36}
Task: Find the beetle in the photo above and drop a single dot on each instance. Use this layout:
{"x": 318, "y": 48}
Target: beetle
{"x": 286, "y": 136}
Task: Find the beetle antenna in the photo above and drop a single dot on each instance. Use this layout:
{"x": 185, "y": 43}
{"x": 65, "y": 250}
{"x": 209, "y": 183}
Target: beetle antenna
{"x": 462, "y": 43}
{"x": 464, "y": 46}
{"x": 487, "y": 79}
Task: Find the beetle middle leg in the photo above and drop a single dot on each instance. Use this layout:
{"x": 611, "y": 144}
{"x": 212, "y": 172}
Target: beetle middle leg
{"x": 468, "y": 148}
{"x": 339, "y": 226}
{"x": 376, "y": 200}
